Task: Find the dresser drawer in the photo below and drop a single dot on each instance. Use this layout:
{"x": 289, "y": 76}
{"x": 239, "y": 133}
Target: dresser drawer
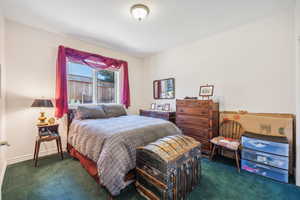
{"x": 169, "y": 116}
{"x": 145, "y": 113}
{"x": 193, "y": 103}
{"x": 200, "y": 133}
{"x": 264, "y": 170}
{"x": 161, "y": 115}
{"x": 265, "y": 158}
{"x": 153, "y": 113}
{"x": 194, "y": 120}
{"x": 265, "y": 146}
{"x": 192, "y": 111}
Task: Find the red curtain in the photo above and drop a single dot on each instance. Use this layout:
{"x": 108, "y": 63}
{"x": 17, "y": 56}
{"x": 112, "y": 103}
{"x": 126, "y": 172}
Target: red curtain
{"x": 92, "y": 60}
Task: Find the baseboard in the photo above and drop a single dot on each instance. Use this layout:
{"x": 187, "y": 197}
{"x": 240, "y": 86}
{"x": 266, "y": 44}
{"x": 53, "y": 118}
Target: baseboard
{"x": 22, "y": 158}
{"x": 2, "y": 173}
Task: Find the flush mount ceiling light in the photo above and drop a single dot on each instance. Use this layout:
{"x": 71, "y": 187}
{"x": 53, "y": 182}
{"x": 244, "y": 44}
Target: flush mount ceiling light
{"x": 139, "y": 11}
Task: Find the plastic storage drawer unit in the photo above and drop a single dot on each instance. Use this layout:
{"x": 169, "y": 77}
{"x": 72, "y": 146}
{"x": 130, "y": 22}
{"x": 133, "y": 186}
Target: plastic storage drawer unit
{"x": 266, "y": 158}
{"x": 267, "y": 171}
{"x": 267, "y": 144}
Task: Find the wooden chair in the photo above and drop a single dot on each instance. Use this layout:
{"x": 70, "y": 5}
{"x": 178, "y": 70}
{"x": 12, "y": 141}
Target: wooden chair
{"x": 230, "y": 134}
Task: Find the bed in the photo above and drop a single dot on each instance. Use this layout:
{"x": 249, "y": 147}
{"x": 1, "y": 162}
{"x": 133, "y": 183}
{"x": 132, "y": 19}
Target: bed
{"x": 106, "y": 146}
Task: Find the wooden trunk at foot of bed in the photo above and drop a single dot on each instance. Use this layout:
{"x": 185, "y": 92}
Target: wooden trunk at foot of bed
{"x": 168, "y": 169}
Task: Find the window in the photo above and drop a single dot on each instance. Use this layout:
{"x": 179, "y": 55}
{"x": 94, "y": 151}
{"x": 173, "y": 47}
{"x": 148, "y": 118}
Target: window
{"x": 87, "y": 85}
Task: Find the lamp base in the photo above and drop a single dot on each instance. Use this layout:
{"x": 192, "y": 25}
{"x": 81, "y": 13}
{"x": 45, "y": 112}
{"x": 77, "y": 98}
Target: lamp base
{"x": 42, "y": 119}
{"x": 42, "y": 124}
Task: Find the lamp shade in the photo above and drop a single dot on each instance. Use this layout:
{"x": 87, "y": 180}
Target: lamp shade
{"x": 139, "y": 11}
{"x": 42, "y": 103}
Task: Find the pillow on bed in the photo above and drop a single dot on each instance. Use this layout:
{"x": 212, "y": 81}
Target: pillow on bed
{"x": 90, "y": 112}
{"x": 114, "y": 110}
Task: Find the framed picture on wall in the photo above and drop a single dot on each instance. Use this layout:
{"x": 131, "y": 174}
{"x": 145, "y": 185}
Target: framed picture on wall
{"x": 206, "y": 91}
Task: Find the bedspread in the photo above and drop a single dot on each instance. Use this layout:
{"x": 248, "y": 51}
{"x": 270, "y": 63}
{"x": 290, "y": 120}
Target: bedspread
{"x": 112, "y": 143}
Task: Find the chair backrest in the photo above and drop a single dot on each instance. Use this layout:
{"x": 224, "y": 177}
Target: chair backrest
{"x": 231, "y": 129}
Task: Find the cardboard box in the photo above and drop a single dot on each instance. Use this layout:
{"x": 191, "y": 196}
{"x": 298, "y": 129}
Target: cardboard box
{"x": 281, "y": 125}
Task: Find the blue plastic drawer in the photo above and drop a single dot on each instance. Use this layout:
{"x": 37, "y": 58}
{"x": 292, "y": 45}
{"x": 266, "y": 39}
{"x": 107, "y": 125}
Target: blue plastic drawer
{"x": 265, "y": 158}
{"x": 267, "y": 171}
{"x": 266, "y": 146}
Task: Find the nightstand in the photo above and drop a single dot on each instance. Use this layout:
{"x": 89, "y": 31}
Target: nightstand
{"x": 47, "y": 133}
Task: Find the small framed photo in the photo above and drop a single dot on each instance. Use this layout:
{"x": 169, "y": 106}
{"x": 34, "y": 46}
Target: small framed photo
{"x": 206, "y": 91}
{"x": 153, "y": 106}
{"x": 167, "y": 107}
{"x": 159, "y": 107}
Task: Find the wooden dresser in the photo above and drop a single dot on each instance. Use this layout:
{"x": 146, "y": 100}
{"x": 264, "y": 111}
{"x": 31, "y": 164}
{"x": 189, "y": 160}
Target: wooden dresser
{"x": 198, "y": 119}
{"x": 170, "y": 116}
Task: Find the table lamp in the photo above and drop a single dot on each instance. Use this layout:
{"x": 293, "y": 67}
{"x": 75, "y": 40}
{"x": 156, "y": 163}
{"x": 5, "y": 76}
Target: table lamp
{"x": 42, "y": 103}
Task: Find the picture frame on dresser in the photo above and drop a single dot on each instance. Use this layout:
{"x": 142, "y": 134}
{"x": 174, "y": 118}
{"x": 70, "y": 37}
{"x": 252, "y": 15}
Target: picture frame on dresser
{"x": 159, "y": 107}
{"x": 153, "y": 106}
{"x": 167, "y": 107}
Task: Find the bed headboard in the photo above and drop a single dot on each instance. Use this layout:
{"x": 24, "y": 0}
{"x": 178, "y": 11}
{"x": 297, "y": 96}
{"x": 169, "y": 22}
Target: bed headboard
{"x": 70, "y": 116}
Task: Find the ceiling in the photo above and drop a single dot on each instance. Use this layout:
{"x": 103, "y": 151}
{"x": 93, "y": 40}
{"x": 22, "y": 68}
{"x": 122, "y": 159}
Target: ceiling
{"x": 109, "y": 23}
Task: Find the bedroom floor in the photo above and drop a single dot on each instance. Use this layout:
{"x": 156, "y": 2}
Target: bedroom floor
{"x": 67, "y": 180}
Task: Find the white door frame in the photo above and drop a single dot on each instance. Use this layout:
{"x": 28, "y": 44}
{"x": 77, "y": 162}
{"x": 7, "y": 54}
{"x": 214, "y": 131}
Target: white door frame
{"x": 297, "y": 139}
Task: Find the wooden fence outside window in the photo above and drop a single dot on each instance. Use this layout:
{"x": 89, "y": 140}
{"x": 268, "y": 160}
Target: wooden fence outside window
{"x": 80, "y": 90}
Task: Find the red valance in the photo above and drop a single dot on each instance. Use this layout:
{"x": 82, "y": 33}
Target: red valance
{"x": 93, "y": 60}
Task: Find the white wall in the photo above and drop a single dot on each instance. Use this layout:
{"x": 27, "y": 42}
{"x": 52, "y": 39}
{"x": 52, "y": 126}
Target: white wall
{"x": 2, "y": 101}
{"x": 30, "y": 58}
{"x": 251, "y": 66}
{"x": 297, "y": 47}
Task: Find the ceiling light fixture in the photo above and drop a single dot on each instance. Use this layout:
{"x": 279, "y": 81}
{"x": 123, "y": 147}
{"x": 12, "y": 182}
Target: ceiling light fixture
{"x": 139, "y": 11}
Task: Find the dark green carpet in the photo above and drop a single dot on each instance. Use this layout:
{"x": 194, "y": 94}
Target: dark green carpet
{"x": 67, "y": 180}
